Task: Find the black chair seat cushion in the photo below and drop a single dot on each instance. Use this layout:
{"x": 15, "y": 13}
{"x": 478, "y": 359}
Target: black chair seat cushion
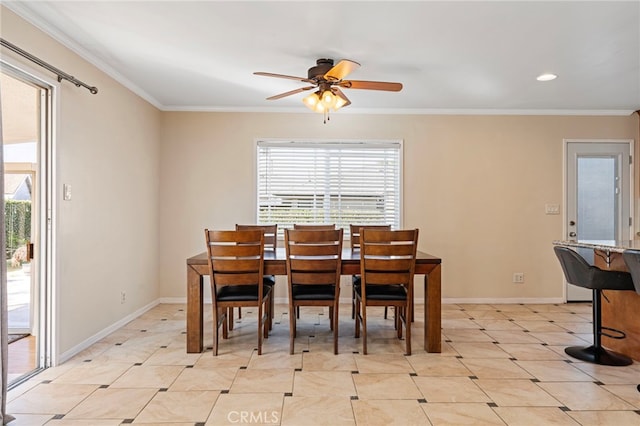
{"x": 237, "y": 293}
{"x": 578, "y": 272}
{"x": 384, "y": 292}
{"x": 269, "y": 280}
{"x": 356, "y": 279}
{"x": 313, "y": 292}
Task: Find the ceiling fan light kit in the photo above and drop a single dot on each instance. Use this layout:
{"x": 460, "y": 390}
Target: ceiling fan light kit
{"x": 328, "y": 79}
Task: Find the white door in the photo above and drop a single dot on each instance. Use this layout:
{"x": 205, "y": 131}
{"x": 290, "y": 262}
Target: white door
{"x": 598, "y": 189}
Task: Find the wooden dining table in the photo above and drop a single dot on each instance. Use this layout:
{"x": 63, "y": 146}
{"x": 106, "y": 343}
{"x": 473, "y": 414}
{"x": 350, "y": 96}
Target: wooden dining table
{"x": 275, "y": 264}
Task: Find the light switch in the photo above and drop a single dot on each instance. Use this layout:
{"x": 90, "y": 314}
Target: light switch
{"x": 552, "y": 209}
{"x": 66, "y": 192}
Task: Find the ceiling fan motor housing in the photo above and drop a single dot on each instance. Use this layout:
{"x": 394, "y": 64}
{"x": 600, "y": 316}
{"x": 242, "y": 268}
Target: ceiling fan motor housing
{"x": 322, "y": 67}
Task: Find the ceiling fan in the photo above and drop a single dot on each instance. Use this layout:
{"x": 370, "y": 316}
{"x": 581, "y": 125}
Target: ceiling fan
{"x": 329, "y": 80}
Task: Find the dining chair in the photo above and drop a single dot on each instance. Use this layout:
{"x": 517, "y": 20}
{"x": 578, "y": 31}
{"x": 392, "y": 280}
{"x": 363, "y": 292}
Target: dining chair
{"x": 354, "y": 232}
{"x": 236, "y": 266}
{"x": 387, "y": 268}
{"x": 314, "y": 227}
{"x": 270, "y": 246}
{"x": 313, "y": 271}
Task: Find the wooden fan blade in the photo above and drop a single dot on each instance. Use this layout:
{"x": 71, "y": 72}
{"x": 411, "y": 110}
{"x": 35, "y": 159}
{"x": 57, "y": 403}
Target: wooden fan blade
{"x": 293, "y": 92}
{"x": 340, "y": 71}
{"x": 343, "y": 96}
{"x": 371, "y": 85}
{"x": 289, "y": 77}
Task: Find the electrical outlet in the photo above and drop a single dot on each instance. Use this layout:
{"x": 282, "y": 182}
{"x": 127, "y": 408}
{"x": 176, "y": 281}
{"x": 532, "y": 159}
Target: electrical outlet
{"x": 518, "y": 277}
{"x": 123, "y": 297}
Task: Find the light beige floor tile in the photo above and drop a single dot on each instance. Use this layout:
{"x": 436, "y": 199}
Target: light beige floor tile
{"x": 605, "y": 418}
{"x": 247, "y": 408}
{"x": 318, "y": 383}
{"x": 449, "y": 414}
{"x": 554, "y": 371}
{"x": 585, "y": 396}
{"x": 530, "y": 352}
{"x": 466, "y": 335}
{"x": 557, "y": 317}
{"x": 610, "y": 375}
{"x": 527, "y": 416}
{"x": 560, "y": 339}
{"x": 479, "y": 350}
{"x": 524, "y": 316}
{"x": 94, "y": 373}
{"x": 191, "y": 406}
{"x": 34, "y": 420}
{"x": 450, "y": 389}
{"x": 486, "y": 314}
{"x": 268, "y": 381}
{"x": 540, "y": 326}
{"x": 511, "y": 336}
{"x": 488, "y": 368}
{"x": 536, "y": 307}
{"x": 383, "y": 363}
{"x": 389, "y": 412}
{"x": 476, "y": 307}
{"x": 455, "y": 314}
{"x": 195, "y": 379}
{"x": 386, "y": 386}
{"x": 328, "y": 361}
{"x": 459, "y": 323}
{"x": 126, "y": 354}
{"x": 317, "y": 410}
{"x": 280, "y": 359}
{"x": 50, "y": 398}
{"x": 576, "y": 327}
{"x": 511, "y": 307}
{"x": 152, "y": 376}
{"x": 172, "y": 356}
{"x": 497, "y": 324}
{"x": 435, "y": 365}
{"x": 628, "y": 393}
{"x": 92, "y": 422}
{"x": 517, "y": 393}
{"x": 112, "y": 404}
{"x": 238, "y": 358}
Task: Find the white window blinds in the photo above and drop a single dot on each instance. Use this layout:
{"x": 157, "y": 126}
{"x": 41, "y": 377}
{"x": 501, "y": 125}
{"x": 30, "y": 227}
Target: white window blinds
{"x": 329, "y": 182}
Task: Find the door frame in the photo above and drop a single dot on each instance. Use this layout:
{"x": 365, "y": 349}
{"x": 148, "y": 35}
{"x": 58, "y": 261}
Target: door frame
{"x": 46, "y": 317}
{"x": 565, "y": 195}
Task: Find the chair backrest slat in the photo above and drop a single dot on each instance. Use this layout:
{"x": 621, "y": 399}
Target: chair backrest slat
{"x": 388, "y": 257}
{"x": 235, "y": 257}
{"x": 313, "y": 256}
{"x": 355, "y": 233}
{"x": 270, "y": 234}
{"x": 314, "y": 227}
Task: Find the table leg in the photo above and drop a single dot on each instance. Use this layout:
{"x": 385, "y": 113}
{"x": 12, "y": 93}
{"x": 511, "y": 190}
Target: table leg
{"x": 433, "y": 310}
{"x": 194, "y": 311}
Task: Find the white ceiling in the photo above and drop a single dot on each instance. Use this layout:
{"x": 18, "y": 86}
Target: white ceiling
{"x": 452, "y": 57}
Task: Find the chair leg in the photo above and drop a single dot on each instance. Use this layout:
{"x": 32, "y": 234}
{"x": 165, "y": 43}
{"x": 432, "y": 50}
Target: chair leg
{"x": 292, "y": 328}
{"x": 216, "y": 336}
{"x": 260, "y": 324}
{"x": 239, "y": 312}
{"x": 230, "y": 316}
{"x": 364, "y": 329}
{"x": 407, "y": 324}
{"x": 353, "y": 302}
{"x": 357, "y": 319}
{"x": 334, "y": 323}
{"x": 385, "y": 312}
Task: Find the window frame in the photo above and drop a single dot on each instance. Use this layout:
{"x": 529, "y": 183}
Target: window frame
{"x": 373, "y": 143}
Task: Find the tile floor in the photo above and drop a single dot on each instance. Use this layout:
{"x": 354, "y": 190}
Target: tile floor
{"x": 500, "y": 364}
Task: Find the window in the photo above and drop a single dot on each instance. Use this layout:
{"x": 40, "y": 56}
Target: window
{"x": 329, "y": 182}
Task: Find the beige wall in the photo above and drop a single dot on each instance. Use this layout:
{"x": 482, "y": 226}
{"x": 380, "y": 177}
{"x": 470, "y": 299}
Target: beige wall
{"x": 107, "y": 148}
{"x": 476, "y": 186}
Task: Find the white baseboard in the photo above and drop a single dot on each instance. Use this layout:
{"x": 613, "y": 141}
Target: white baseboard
{"x": 450, "y": 300}
{"x": 105, "y": 332}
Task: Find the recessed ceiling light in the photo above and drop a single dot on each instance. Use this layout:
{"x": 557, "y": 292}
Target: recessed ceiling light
{"x": 546, "y": 77}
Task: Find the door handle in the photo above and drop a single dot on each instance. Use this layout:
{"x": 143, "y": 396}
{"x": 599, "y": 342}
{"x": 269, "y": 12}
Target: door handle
{"x": 29, "y": 251}
{"x": 572, "y": 234}
{"x": 572, "y": 223}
